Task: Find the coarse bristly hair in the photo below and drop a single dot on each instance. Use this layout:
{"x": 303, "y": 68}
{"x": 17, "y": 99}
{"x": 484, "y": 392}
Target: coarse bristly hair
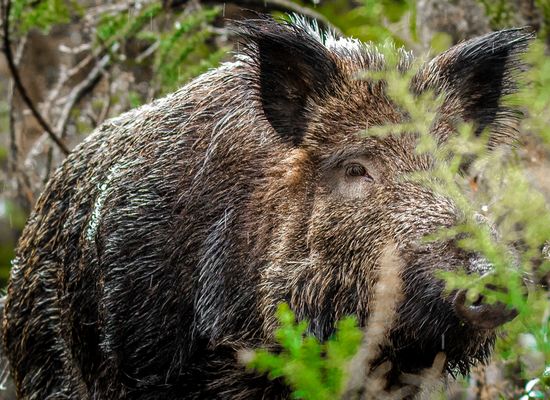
{"x": 165, "y": 241}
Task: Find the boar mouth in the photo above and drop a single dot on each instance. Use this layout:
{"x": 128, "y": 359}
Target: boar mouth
{"x": 480, "y": 314}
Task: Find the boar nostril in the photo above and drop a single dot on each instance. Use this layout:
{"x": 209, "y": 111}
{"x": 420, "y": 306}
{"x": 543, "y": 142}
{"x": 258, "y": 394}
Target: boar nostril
{"x": 481, "y": 315}
{"x": 479, "y": 300}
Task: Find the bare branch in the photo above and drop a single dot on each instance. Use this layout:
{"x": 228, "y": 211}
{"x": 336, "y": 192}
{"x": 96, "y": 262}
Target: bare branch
{"x": 79, "y": 91}
{"x": 108, "y": 101}
{"x": 14, "y": 150}
{"x": 6, "y": 48}
{"x": 19, "y": 176}
{"x": 148, "y": 51}
{"x": 65, "y": 76}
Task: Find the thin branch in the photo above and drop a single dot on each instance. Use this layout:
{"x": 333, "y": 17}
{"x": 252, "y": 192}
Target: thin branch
{"x": 65, "y": 76}
{"x": 19, "y": 176}
{"x": 6, "y": 47}
{"x": 77, "y": 93}
{"x": 148, "y": 51}
{"x": 108, "y": 101}
{"x": 80, "y": 91}
{"x": 14, "y": 150}
{"x": 48, "y": 169}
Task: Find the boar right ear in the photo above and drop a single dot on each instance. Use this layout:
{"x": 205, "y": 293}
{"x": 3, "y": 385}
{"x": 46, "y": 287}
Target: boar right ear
{"x": 292, "y": 69}
{"x": 475, "y": 76}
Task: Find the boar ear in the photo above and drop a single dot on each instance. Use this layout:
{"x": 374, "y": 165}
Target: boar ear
{"x": 291, "y": 70}
{"x": 475, "y": 75}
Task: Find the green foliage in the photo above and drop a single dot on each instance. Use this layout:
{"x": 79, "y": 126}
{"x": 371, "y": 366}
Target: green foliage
{"x": 500, "y": 12}
{"x": 134, "y": 99}
{"x": 42, "y": 15}
{"x": 505, "y": 194}
{"x": 179, "y": 46}
{"x": 544, "y": 7}
{"x": 123, "y": 26}
{"x": 315, "y": 371}
{"x": 15, "y": 218}
{"x": 370, "y": 22}
{"x": 537, "y": 96}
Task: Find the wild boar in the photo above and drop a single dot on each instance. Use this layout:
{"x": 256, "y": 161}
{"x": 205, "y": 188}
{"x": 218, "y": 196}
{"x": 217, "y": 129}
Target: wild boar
{"x": 165, "y": 241}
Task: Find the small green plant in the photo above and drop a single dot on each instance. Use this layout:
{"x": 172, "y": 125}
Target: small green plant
{"x": 314, "y": 370}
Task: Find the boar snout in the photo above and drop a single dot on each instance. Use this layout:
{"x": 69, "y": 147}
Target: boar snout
{"x": 480, "y": 314}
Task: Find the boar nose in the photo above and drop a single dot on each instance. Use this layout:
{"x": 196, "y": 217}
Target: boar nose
{"x": 483, "y": 220}
{"x": 480, "y": 314}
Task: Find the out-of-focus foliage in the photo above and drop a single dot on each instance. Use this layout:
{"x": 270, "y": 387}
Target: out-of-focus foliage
{"x": 544, "y": 7}
{"x": 29, "y": 14}
{"x": 171, "y": 61}
{"x": 375, "y": 21}
{"x": 503, "y": 13}
{"x": 500, "y": 12}
{"x": 180, "y": 51}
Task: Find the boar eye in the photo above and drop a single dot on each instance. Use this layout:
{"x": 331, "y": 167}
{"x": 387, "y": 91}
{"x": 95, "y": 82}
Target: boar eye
{"x": 356, "y": 171}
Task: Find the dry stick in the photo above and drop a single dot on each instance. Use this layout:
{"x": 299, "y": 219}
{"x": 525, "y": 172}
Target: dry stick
{"x": 65, "y": 76}
{"x": 22, "y": 180}
{"x": 48, "y": 169}
{"x": 11, "y": 91}
{"x": 6, "y": 47}
{"x": 388, "y": 293}
{"x": 94, "y": 11}
{"x": 428, "y": 379}
{"x": 108, "y": 103}
{"x": 80, "y": 91}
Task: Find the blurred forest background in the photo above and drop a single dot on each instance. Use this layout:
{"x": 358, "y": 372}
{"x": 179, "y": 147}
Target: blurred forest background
{"x": 69, "y": 65}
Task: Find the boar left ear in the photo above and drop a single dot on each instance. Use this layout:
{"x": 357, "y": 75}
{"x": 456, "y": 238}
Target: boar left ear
{"x": 475, "y": 75}
{"x": 291, "y": 69}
